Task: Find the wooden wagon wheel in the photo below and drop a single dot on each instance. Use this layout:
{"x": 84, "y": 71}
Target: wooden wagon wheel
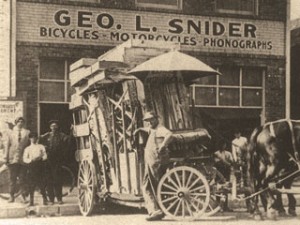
{"x": 183, "y": 193}
{"x": 214, "y": 203}
{"x": 86, "y": 187}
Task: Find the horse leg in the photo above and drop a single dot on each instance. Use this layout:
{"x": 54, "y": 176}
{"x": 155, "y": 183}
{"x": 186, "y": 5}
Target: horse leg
{"x": 252, "y": 204}
{"x": 271, "y": 211}
{"x": 292, "y": 201}
{"x": 264, "y": 202}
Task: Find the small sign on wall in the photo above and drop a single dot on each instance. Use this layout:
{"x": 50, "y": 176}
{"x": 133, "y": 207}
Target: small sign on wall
{"x": 10, "y": 110}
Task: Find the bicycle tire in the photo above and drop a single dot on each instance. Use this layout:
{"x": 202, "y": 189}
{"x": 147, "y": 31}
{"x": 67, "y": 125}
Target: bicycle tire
{"x": 6, "y": 196}
{"x": 73, "y": 181}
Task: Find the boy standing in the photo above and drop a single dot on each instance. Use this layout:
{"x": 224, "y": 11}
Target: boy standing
{"x": 34, "y": 156}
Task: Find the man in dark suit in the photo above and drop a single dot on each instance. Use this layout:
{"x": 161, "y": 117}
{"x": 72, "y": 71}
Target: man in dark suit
{"x": 56, "y": 143}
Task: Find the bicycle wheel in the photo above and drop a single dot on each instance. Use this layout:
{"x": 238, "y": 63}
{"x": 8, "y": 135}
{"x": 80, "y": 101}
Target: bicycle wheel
{"x": 4, "y": 184}
{"x": 69, "y": 180}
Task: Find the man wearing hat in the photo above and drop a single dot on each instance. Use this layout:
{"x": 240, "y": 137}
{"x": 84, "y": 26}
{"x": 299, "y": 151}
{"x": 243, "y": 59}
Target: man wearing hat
{"x": 55, "y": 142}
{"x": 156, "y": 162}
{"x": 17, "y": 141}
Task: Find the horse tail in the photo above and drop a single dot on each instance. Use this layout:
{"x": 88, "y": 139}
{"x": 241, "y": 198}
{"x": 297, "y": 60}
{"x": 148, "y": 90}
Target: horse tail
{"x": 252, "y": 158}
{"x": 253, "y": 138}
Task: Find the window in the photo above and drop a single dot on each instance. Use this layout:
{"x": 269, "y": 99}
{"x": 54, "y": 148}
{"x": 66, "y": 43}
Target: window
{"x": 236, "y": 87}
{"x": 246, "y": 7}
{"x": 54, "y": 85}
{"x": 160, "y": 4}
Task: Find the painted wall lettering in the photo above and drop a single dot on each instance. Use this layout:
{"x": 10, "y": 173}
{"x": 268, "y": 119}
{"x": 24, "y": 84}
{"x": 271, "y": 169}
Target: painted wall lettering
{"x": 97, "y": 26}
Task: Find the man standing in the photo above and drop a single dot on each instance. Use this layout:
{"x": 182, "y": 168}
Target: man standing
{"x": 156, "y": 162}
{"x": 223, "y": 161}
{"x": 17, "y": 141}
{"x": 239, "y": 147}
{"x": 35, "y": 156}
{"x": 55, "y": 142}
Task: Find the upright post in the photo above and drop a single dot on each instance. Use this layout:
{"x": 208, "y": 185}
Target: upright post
{"x": 125, "y": 149}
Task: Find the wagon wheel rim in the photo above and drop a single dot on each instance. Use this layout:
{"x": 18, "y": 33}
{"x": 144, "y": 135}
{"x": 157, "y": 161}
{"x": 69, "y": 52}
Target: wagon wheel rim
{"x": 86, "y": 187}
{"x": 183, "y": 193}
{"x": 214, "y": 204}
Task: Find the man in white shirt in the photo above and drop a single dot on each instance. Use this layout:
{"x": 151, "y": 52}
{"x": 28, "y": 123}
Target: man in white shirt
{"x": 239, "y": 147}
{"x": 156, "y": 161}
{"x": 35, "y": 155}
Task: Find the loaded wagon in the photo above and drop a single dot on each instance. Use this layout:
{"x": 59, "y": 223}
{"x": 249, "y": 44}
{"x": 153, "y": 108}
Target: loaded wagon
{"x": 112, "y": 93}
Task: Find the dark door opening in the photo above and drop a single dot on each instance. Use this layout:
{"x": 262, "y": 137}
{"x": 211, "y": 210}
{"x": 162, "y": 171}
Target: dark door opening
{"x": 58, "y": 112}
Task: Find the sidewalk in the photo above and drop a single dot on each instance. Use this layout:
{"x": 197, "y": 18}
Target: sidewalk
{"x": 70, "y": 207}
{"x": 19, "y": 209}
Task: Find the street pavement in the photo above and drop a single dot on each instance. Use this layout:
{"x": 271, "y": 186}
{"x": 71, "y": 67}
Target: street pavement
{"x": 68, "y": 213}
{"x": 137, "y": 217}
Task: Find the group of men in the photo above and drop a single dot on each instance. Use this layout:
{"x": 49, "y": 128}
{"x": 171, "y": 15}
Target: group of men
{"x": 35, "y": 161}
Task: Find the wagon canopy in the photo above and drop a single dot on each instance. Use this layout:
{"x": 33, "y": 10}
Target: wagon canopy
{"x": 190, "y": 67}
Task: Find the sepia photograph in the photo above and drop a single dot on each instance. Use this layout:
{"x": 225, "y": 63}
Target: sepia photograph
{"x": 132, "y": 112}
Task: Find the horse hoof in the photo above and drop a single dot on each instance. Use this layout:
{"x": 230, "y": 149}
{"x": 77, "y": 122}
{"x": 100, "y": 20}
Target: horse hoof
{"x": 258, "y": 217}
{"x": 271, "y": 215}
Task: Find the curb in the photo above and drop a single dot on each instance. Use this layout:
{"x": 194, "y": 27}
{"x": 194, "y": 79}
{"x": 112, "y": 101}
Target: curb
{"x": 48, "y": 211}
{"x": 39, "y": 211}
{"x": 19, "y": 209}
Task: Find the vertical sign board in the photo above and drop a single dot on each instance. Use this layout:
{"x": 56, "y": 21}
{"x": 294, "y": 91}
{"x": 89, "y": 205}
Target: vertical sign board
{"x": 5, "y": 48}
{"x": 10, "y": 110}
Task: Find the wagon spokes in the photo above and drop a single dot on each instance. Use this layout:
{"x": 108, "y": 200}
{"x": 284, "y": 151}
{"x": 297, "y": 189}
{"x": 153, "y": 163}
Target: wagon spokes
{"x": 183, "y": 193}
{"x": 86, "y": 187}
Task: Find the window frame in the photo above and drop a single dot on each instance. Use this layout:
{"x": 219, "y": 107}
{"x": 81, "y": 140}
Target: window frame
{"x": 66, "y": 81}
{"x": 217, "y": 88}
{"x": 238, "y": 12}
{"x": 159, "y": 6}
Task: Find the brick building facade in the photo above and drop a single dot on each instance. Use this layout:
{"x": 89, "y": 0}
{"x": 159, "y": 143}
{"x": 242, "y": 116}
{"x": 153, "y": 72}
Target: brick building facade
{"x": 245, "y": 40}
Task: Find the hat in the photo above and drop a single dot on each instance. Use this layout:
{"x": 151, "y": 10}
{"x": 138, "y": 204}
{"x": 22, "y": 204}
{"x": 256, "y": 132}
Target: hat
{"x": 53, "y": 121}
{"x": 33, "y": 134}
{"x": 18, "y": 119}
{"x": 149, "y": 115}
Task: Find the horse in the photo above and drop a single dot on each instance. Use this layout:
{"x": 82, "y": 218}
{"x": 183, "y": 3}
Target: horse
{"x": 273, "y": 153}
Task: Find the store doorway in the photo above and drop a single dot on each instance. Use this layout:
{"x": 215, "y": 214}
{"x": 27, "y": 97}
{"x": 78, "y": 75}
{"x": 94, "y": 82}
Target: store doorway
{"x": 58, "y": 112}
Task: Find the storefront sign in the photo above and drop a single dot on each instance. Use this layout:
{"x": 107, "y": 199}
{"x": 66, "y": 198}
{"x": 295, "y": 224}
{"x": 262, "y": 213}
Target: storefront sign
{"x": 10, "y": 110}
{"x": 96, "y": 26}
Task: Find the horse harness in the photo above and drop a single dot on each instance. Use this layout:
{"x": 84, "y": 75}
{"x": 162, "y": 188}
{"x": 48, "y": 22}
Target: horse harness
{"x": 296, "y": 158}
